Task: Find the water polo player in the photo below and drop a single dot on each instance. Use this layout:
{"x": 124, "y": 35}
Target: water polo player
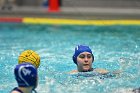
{"x": 29, "y": 56}
{"x": 26, "y": 77}
{"x": 83, "y": 58}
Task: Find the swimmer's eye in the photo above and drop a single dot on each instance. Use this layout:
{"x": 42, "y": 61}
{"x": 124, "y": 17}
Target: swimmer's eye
{"x": 83, "y": 56}
{"x": 89, "y": 56}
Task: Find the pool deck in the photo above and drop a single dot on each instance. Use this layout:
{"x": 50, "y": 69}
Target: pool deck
{"x": 74, "y": 13}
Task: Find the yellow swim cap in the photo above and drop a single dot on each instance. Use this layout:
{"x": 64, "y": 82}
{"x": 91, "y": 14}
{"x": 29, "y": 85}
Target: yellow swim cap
{"x": 29, "y": 56}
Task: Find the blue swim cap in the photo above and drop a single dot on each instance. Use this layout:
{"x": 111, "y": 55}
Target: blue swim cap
{"x": 26, "y": 75}
{"x": 79, "y": 49}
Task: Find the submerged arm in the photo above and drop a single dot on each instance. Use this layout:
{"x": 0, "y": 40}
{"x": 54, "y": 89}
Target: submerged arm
{"x": 101, "y": 71}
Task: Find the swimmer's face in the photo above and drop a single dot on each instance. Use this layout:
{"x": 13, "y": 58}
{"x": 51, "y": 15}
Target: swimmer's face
{"x": 84, "y": 61}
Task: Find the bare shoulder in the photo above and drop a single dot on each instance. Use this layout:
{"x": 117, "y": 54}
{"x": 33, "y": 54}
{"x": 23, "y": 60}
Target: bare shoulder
{"x": 73, "y": 72}
{"x": 15, "y": 92}
{"x": 101, "y": 71}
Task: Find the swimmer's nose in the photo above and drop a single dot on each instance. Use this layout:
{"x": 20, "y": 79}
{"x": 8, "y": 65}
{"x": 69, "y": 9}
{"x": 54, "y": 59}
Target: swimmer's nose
{"x": 86, "y": 59}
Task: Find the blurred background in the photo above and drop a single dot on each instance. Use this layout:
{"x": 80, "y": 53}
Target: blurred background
{"x": 76, "y": 3}
{"x": 91, "y": 9}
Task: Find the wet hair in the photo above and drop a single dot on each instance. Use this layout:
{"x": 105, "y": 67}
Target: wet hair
{"x": 26, "y": 75}
{"x": 79, "y": 49}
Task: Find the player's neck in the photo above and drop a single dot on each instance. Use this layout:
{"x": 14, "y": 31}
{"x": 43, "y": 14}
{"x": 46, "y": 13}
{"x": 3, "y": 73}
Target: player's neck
{"x": 26, "y": 89}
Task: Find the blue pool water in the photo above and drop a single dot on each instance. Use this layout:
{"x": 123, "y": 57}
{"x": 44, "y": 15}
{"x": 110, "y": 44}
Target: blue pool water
{"x": 114, "y": 48}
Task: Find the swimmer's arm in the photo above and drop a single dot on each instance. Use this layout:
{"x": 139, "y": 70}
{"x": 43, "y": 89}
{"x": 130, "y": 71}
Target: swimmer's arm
{"x": 117, "y": 72}
{"x": 104, "y": 71}
{"x": 101, "y": 71}
{"x": 73, "y": 72}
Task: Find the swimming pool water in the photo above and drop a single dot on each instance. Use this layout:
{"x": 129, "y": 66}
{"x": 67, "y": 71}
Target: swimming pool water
{"x": 114, "y": 47}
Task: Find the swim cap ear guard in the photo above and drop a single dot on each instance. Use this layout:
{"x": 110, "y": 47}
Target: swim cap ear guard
{"x": 26, "y": 75}
{"x": 79, "y": 49}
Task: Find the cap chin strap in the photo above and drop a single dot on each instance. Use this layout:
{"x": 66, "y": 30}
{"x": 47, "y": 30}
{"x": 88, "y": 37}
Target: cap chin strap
{"x": 88, "y": 70}
{"x": 34, "y": 91}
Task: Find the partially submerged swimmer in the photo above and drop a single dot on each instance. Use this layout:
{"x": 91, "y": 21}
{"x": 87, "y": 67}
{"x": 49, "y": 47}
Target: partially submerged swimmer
{"x": 83, "y": 58}
{"x": 26, "y": 77}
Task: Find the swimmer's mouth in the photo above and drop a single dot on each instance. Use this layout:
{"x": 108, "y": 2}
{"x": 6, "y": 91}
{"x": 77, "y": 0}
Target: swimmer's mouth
{"x": 86, "y": 64}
